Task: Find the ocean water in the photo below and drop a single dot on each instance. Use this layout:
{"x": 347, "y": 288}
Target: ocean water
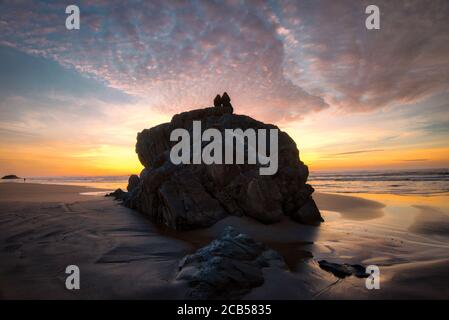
{"x": 401, "y": 182}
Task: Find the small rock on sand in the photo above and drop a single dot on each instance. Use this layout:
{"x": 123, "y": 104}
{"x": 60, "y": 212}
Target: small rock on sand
{"x": 228, "y": 267}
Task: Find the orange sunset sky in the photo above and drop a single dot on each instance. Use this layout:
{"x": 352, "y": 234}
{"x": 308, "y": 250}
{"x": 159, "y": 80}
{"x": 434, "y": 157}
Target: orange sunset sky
{"x": 72, "y": 102}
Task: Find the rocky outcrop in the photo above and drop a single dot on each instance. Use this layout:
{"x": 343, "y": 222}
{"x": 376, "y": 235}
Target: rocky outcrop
{"x": 308, "y": 213}
{"x": 188, "y": 196}
{"x": 153, "y": 145}
{"x": 227, "y": 268}
{"x": 343, "y": 270}
{"x": 118, "y": 194}
{"x": 11, "y": 177}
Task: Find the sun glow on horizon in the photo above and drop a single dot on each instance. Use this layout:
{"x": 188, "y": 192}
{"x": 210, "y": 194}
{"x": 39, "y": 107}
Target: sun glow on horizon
{"x": 58, "y": 159}
{"x": 71, "y": 103}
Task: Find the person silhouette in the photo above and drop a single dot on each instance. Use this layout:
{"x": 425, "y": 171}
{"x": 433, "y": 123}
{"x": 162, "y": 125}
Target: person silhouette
{"x": 226, "y": 100}
{"x": 217, "y": 101}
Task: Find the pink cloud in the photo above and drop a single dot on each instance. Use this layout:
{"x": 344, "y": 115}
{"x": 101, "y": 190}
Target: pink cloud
{"x": 279, "y": 63}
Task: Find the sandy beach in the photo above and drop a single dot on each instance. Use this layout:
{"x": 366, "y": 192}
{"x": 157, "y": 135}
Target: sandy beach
{"x": 44, "y": 228}
{"x": 224, "y": 150}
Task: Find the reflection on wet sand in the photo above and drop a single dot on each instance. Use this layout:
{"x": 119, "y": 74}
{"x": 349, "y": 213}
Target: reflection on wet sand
{"x": 409, "y": 242}
{"x": 430, "y": 221}
{"x": 350, "y": 207}
{"x": 123, "y": 255}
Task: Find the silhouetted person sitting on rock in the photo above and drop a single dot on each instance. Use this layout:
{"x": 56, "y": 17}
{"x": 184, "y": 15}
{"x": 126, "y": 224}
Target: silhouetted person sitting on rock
{"x": 217, "y": 101}
{"x": 226, "y": 100}
{"x": 223, "y": 101}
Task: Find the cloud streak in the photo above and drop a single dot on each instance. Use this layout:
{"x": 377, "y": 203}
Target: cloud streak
{"x": 357, "y": 152}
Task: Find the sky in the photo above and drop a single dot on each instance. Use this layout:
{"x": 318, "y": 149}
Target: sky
{"x": 72, "y": 101}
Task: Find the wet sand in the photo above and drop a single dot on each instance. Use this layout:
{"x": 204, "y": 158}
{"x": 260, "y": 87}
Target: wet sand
{"x": 33, "y": 192}
{"x": 120, "y": 254}
{"x": 44, "y": 228}
{"x": 350, "y": 207}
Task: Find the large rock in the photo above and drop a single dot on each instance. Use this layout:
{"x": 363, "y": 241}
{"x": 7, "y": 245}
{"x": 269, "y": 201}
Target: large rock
{"x": 192, "y": 196}
{"x": 186, "y": 204}
{"x": 263, "y": 200}
{"x": 228, "y": 267}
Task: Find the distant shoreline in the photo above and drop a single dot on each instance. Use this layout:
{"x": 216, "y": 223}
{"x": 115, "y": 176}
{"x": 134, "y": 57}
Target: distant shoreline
{"x": 39, "y": 192}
